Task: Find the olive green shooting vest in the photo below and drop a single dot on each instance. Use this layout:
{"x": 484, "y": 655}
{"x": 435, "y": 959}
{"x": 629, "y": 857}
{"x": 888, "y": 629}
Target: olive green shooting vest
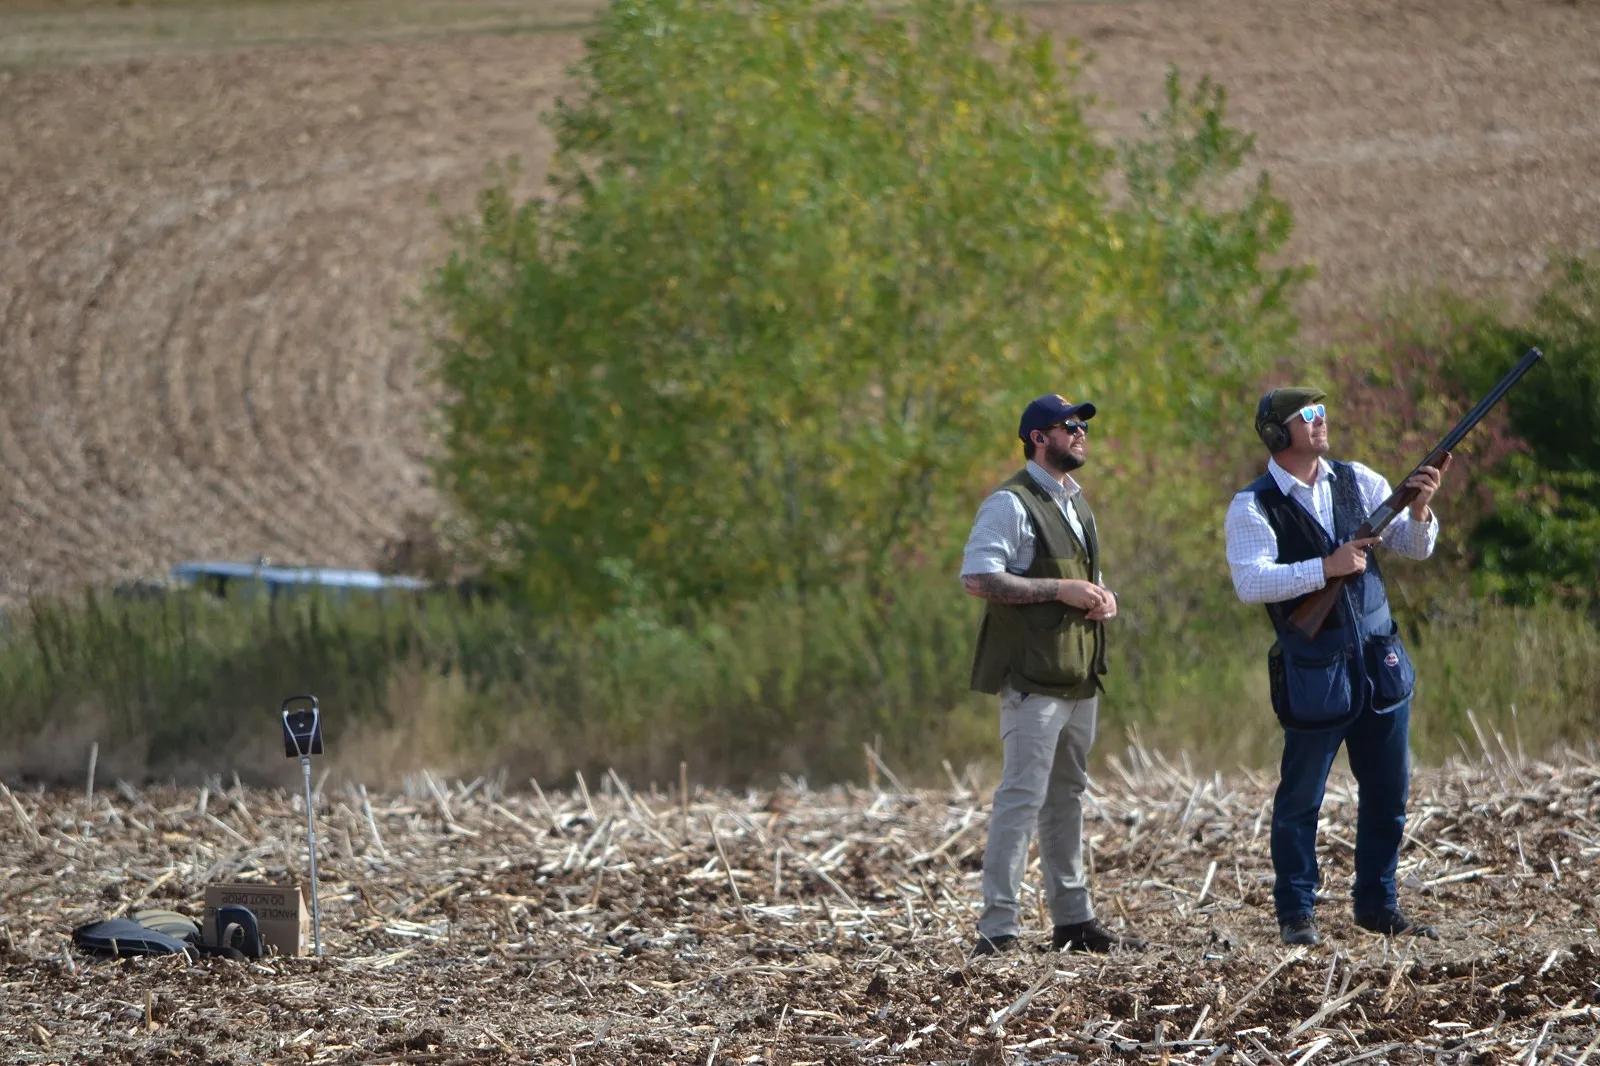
{"x": 1048, "y": 648}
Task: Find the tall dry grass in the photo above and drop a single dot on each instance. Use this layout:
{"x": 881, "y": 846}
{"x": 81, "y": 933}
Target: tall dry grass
{"x": 186, "y": 686}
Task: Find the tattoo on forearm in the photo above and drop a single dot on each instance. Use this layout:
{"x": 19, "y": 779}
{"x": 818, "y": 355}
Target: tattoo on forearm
{"x": 1009, "y": 588}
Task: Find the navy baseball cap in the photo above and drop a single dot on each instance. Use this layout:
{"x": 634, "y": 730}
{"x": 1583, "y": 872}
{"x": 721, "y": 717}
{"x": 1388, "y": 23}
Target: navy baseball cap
{"x": 1049, "y": 409}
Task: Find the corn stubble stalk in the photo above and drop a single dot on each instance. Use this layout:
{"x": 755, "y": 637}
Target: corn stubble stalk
{"x": 554, "y": 921}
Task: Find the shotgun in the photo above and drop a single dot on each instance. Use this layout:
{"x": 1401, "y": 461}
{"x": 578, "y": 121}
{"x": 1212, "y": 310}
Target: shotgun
{"x": 1313, "y": 611}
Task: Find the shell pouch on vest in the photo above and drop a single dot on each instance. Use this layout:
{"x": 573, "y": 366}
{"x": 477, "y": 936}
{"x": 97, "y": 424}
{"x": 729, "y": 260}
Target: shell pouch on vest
{"x": 1310, "y": 681}
{"x": 1389, "y": 667}
{"x": 1042, "y": 617}
{"x": 1060, "y": 649}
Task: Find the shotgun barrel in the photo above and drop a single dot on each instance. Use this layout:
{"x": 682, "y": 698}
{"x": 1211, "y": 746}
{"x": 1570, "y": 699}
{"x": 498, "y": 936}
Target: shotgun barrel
{"x": 1313, "y": 612}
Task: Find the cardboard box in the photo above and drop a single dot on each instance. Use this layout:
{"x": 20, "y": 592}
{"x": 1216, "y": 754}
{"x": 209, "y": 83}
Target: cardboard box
{"x": 280, "y": 911}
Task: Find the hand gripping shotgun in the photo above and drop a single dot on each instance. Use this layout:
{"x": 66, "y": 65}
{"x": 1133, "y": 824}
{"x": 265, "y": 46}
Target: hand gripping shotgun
{"x": 1313, "y": 611}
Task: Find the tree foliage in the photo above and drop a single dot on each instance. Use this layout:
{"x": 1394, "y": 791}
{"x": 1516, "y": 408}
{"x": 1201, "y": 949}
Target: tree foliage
{"x": 799, "y": 267}
{"x": 1541, "y": 537}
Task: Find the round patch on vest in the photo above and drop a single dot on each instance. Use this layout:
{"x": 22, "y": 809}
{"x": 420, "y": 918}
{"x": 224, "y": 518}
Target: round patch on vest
{"x": 1391, "y": 660}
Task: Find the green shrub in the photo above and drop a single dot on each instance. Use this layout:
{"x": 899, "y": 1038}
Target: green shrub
{"x": 801, "y": 266}
{"x": 1527, "y": 482}
{"x": 1541, "y": 539}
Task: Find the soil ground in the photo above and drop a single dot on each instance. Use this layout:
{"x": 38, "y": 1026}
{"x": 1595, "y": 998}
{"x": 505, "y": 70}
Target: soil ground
{"x": 214, "y": 216}
{"x": 470, "y": 922}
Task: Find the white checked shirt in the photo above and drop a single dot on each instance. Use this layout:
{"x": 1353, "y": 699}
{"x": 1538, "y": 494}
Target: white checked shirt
{"x": 1002, "y": 537}
{"x": 1253, "y": 547}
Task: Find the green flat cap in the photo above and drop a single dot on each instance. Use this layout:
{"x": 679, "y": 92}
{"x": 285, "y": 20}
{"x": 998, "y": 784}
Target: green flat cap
{"x": 1279, "y": 404}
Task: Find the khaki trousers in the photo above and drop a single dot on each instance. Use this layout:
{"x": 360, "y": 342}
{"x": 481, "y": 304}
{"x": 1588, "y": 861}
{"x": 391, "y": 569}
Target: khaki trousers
{"x": 1046, "y": 744}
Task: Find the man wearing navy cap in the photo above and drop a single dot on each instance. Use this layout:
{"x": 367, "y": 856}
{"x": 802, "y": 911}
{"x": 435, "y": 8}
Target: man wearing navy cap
{"x": 1034, "y": 557}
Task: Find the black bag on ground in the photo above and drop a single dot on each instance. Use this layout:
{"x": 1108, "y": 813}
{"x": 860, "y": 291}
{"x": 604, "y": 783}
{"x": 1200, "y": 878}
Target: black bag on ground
{"x": 165, "y": 932}
{"x": 120, "y": 937}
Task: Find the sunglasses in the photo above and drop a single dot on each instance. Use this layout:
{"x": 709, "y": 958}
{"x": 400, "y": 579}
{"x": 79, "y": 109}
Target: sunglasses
{"x": 1073, "y": 426}
{"x": 1314, "y": 412}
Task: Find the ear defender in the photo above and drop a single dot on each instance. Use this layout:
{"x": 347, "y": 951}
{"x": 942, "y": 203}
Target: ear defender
{"x": 1274, "y": 434}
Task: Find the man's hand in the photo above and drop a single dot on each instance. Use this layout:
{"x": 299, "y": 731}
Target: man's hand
{"x": 1084, "y": 595}
{"x": 1348, "y": 558}
{"x": 1107, "y": 610}
{"x": 1426, "y": 481}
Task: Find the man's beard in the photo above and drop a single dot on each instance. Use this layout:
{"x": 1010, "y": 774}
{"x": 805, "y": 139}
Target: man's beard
{"x": 1060, "y": 458}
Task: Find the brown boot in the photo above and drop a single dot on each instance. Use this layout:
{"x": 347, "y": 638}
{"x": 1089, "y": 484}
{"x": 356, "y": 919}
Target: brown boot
{"x": 1092, "y": 936}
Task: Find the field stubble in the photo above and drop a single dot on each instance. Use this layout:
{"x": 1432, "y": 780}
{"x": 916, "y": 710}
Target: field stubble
{"x": 470, "y": 922}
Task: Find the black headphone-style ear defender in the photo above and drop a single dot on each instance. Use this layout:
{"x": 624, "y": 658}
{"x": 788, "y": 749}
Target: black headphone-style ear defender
{"x": 1273, "y": 433}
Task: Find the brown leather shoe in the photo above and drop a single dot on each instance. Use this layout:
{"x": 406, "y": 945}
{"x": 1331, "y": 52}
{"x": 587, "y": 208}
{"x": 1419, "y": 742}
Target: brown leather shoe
{"x": 1394, "y": 923}
{"x": 1301, "y": 931}
{"x": 992, "y": 945}
{"x": 1092, "y": 936}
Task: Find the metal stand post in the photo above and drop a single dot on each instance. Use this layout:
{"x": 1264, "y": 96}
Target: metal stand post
{"x": 311, "y": 839}
{"x": 302, "y": 738}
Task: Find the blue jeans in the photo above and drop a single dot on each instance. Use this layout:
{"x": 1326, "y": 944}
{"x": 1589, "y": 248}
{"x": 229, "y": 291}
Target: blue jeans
{"x": 1380, "y": 759}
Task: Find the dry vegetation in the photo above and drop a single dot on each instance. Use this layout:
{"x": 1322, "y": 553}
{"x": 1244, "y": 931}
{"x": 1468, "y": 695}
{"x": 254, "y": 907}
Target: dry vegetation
{"x": 215, "y": 214}
{"x": 473, "y": 922}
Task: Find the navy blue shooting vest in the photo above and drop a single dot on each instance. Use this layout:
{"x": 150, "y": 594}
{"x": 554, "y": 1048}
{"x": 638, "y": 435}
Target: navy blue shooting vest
{"x": 1357, "y": 661}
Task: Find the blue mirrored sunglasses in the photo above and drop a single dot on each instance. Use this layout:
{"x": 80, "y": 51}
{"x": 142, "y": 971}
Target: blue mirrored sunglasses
{"x": 1314, "y": 412}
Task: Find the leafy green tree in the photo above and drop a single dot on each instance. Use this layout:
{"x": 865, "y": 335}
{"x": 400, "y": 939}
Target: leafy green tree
{"x": 1540, "y": 538}
{"x": 799, "y": 266}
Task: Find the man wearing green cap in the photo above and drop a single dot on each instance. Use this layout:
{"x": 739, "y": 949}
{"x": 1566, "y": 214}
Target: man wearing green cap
{"x": 1034, "y": 557}
{"x": 1288, "y": 532}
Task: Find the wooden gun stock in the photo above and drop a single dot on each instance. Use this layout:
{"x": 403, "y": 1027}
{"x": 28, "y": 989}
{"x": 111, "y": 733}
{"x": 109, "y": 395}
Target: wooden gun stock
{"x": 1313, "y": 612}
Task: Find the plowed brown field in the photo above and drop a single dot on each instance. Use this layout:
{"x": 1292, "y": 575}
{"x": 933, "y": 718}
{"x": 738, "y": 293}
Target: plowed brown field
{"x": 212, "y": 218}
